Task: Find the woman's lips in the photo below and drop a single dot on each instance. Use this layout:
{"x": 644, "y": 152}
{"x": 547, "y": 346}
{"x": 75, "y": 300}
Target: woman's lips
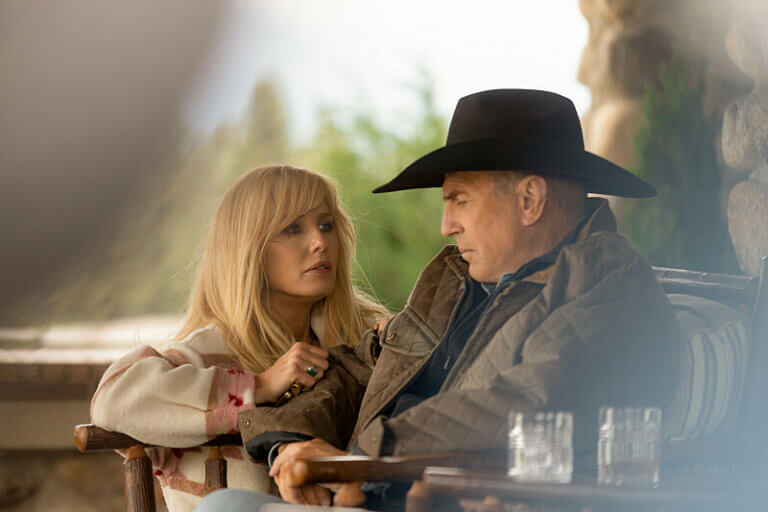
{"x": 321, "y": 267}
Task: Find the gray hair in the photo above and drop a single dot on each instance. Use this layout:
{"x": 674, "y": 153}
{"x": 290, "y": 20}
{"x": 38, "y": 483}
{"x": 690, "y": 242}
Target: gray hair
{"x": 565, "y": 194}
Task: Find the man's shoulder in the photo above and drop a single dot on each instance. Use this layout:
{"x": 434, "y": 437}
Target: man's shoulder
{"x": 603, "y": 248}
{"x": 600, "y": 256}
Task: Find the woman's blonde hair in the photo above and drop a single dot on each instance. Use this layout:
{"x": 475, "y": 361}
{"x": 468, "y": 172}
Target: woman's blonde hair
{"x": 231, "y": 288}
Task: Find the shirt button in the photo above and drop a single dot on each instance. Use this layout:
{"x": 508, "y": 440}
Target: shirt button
{"x": 247, "y": 423}
{"x": 373, "y": 438}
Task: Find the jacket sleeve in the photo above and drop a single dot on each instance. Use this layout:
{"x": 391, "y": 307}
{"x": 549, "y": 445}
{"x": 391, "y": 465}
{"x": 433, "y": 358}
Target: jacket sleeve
{"x": 171, "y": 397}
{"x": 327, "y": 411}
{"x": 464, "y": 420}
{"x": 604, "y": 343}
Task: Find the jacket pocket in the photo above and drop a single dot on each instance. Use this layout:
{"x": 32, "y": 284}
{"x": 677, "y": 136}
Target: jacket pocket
{"x": 408, "y": 335}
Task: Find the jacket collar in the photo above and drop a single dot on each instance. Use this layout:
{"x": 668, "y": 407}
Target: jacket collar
{"x": 601, "y": 218}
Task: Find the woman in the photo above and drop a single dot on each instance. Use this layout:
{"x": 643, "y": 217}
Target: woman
{"x": 274, "y": 289}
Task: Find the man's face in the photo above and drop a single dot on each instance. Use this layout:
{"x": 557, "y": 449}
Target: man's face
{"x": 485, "y": 223}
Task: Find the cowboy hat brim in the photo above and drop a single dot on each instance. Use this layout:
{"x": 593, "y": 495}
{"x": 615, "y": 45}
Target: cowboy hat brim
{"x": 598, "y": 175}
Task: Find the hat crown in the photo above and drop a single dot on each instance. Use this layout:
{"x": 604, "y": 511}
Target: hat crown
{"x": 539, "y": 116}
{"x": 519, "y": 129}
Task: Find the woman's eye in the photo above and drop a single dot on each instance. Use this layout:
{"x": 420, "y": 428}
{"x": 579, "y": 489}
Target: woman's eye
{"x": 292, "y": 229}
{"x": 326, "y": 226}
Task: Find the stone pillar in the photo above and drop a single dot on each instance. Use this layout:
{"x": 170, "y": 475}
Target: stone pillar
{"x": 627, "y": 44}
{"x": 745, "y": 139}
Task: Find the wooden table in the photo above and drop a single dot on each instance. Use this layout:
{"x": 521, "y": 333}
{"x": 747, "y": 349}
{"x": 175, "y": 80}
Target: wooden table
{"x": 696, "y": 491}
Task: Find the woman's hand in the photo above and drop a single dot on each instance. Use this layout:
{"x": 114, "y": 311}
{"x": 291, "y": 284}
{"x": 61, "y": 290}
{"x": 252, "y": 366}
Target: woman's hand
{"x": 291, "y": 367}
{"x": 382, "y": 324}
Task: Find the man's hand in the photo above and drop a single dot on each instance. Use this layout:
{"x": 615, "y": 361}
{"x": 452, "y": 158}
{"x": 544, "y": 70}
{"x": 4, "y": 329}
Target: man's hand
{"x": 347, "y": 494}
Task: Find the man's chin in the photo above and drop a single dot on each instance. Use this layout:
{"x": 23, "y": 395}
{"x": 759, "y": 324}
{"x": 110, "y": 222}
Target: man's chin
{"x": 477, "y": 274}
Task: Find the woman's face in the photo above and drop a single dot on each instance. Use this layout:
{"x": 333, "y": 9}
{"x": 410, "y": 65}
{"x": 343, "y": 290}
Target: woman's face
{"x": 301, "y": 260}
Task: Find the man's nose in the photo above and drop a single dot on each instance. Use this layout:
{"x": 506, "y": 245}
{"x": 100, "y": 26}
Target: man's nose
{"x": 449, "y": 226}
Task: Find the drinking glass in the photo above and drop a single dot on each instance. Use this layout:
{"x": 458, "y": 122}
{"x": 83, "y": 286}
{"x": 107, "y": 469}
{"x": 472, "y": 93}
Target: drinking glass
{"x": 628, "y": 446}
{"x": 541, "y": 446}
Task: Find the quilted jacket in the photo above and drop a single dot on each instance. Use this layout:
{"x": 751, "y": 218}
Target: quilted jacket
{"x": 593, "y": 329}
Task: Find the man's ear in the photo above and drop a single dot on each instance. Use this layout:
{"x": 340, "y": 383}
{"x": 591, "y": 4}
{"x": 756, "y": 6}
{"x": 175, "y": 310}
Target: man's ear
{"x": 532, "y": 196}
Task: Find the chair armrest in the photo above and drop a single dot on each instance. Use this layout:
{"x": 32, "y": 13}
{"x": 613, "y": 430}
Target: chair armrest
{"x": 90, "y": 438}
{"x": 354, "y": 468}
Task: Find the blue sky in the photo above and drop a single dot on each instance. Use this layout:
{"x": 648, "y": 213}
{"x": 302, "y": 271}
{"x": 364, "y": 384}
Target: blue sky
{"x": 367, "y": 54}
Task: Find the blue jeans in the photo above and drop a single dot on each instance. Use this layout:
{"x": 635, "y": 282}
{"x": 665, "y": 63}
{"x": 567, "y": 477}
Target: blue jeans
{"x": 239, "y": 500}
{"x": 236, "y": 500}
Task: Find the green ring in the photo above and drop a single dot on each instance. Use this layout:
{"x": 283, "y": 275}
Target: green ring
{"x": 311, "y": 371}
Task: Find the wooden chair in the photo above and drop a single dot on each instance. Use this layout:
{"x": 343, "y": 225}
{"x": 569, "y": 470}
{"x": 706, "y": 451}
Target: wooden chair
{"x": 139, "y": 486}
{"x": 740, "y": 291}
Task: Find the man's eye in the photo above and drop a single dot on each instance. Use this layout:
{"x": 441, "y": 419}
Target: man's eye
{"x": 292, "y": 229}
{"x": 326, "y": 226}
{"x": 461, "y": 203}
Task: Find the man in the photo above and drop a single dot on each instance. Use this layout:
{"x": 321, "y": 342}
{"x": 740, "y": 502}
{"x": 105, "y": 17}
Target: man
{"x": 541, "y": 305}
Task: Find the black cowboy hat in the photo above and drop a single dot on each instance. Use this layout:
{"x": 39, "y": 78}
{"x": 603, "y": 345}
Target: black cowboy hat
{"x": 518, "y": 129}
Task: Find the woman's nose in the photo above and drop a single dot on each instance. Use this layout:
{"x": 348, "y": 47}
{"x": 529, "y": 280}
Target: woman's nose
{"x": 318, "y": 243}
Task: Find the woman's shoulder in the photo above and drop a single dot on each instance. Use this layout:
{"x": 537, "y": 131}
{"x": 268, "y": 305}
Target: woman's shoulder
{"x": 203, "y": 347}
{"x": 208, "y": 340}
{"x": 209, "y": 345}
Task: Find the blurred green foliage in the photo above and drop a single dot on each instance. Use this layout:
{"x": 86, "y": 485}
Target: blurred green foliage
{"x": 685, "y": 225}
{"x": 398, "y": 233}
{"x": 147, "y": 262}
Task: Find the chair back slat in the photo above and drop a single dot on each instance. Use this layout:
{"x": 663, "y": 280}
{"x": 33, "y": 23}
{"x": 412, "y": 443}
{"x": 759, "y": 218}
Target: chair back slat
{"x": 215, "y": 470}
{"x": 139, "y": 488}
